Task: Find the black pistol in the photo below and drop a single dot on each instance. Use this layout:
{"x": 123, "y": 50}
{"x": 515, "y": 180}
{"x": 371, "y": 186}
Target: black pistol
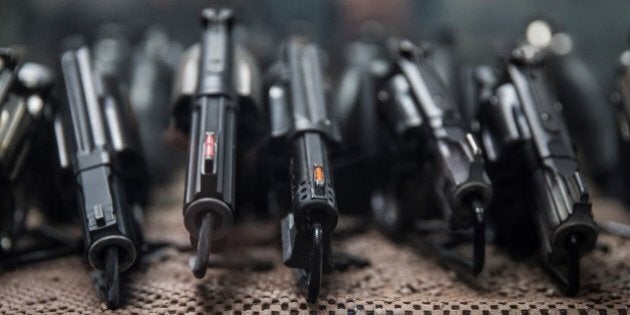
{"x": 302, "y": 130}
{"x": 98, "y": 139}
{"x": 208, "y": 114}
{"x": 621, "y": 98}
{"x": 434, "y": 141}
{"x": 531, "y": 158}
{"x": 589, "y": 117}
{"x": 153, "y": 63}
{"x": 24, "y": 103}
{"x": 355, "y": 110}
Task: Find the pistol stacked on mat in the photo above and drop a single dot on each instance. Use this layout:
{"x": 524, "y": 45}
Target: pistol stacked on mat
{"x": 302, "y": 132}
{"x": 26, "y": 108}
{"x": 99, "y": 143}
{"x": 533, "y": 164}
{"x": 434, "y": 142}
{"x": 207, "y": 111}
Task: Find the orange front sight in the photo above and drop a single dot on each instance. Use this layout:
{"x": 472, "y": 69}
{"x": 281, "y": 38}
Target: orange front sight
{"x": 318, "y": 174}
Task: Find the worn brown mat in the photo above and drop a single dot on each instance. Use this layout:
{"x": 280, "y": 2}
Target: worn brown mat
{"x": 401, "y": 280}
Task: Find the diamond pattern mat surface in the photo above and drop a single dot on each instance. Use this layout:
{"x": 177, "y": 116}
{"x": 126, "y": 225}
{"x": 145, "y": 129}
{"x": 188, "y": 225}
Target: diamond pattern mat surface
{"x": 400, "y": 279}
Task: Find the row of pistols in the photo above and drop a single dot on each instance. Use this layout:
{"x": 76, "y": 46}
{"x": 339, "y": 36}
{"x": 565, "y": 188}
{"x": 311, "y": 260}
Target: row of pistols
{"x": 492, "y": 161}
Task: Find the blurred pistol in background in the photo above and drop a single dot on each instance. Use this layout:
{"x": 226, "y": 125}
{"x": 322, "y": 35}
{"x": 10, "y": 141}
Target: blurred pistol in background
{"x": 433, "y": 142}
{"x": 589, "y": 117}
{"x": 621, "y": 98}
{"x": 153, "y": 63}
{"x": 25, "y": 131}
{"x": 362, "y": 147}
{"x": 532, "y": 162}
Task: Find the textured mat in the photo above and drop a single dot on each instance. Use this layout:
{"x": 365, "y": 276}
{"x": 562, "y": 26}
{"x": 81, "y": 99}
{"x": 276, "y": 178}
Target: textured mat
{"x": 401, "y": 279}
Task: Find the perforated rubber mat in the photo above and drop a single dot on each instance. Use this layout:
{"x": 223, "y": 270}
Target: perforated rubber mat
{"x": 400, "y": 280}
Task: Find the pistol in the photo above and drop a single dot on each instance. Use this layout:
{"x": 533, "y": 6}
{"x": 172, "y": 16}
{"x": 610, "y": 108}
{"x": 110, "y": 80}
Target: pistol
{"x": 623, "y": 95}
{"x": 302, "y": 131}
{"x": 153, "y": 62}
{"x": 24, "y": 102}
{"x": 434, "y": 143}
{"x": 98, "y": 140}
{"x": 621, "y": 102}
{"x": 621, "y": 98}
{"x": 360, "y": 126}
{"x": 206, "y": 108}
{"x": 589, "y": 117}
{"x": 531, "y": 157}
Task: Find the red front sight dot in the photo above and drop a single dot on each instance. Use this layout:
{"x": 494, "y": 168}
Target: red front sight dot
{"x": 209, "y": 152}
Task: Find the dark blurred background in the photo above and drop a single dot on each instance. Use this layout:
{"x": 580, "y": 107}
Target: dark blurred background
{"x": 473, "y": 30}
{"x": 600, "y": 30}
